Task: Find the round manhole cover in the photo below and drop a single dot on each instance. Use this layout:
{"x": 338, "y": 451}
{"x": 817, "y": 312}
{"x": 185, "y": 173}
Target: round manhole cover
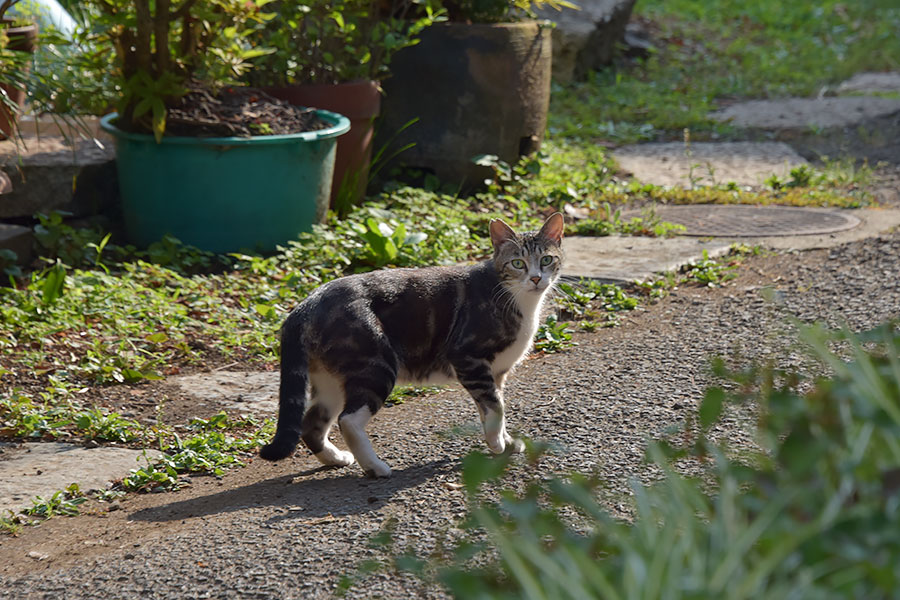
{"x": 755, "y": 221}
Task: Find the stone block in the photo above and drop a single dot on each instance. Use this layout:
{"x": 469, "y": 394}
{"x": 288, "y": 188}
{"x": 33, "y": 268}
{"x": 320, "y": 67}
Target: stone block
{"x": 586, "y": 39}
{"x": 707, "y": 163}
{"x": 871, "y": 83}
{"x": 18, "y": 239}
{"x": 46, "y": 173}
{"x": 41, "y": 469}
{"x": 805, "y": 113}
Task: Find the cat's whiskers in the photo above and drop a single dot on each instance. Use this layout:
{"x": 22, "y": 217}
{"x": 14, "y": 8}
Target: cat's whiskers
{"x": 504, "y": 298}
{"x": 554, "y": 292}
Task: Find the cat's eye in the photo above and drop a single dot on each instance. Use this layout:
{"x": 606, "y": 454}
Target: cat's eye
{"x": 546, "y": 260}
{"x": 518, "y": 263}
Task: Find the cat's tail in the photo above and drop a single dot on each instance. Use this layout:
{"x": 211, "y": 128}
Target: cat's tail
{"x": 291, "y": 395}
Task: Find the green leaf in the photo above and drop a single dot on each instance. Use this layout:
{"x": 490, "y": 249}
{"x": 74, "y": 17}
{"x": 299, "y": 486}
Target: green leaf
{"x": 390, "y": 249}
{"x": 264, "y": 310}
{"x": 479, "y": 468}
{"x": 399, "y": 235}
{"x": 385, "y": 230}
{"x": 157, "y": 338}
{"x": 159, "y": 119}
{"x": 54, "y": 283}
{"x": 415, "y": 238}
{"x": 711, "y": 406}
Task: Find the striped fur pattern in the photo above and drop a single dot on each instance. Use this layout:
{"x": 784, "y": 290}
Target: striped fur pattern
{"x": 345, "y": 347}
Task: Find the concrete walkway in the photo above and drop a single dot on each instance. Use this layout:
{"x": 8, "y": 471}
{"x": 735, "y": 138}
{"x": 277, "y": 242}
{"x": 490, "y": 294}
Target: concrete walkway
{"x": 864, "y": 98}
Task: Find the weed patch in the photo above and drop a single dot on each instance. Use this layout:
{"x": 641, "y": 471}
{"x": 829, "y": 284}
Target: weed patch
{"x": 553, "y": 336}
{"x": 709, "y": 272}
{"x": 62, "y": 503}
{"x": 401, "y": 394}
{"x": 210, "y": 446}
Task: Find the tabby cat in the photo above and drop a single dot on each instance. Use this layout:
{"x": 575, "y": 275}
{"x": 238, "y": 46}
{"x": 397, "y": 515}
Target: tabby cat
{"x": 345, "y": 347}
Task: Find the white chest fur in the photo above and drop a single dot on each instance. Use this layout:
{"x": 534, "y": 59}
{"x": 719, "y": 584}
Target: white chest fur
{"x": 530, "y": 307}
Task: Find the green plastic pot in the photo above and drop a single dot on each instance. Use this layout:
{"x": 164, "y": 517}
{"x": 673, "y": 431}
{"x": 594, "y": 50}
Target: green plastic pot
{"x": 225, "y": 194}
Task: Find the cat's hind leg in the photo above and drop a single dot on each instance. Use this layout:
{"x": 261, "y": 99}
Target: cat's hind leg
{"x": 326, "y": 404}
{"x": 366, "y": 392}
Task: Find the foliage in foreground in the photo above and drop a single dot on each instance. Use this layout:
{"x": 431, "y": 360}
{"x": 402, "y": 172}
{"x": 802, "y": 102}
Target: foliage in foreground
{"x": 812, "y": 514}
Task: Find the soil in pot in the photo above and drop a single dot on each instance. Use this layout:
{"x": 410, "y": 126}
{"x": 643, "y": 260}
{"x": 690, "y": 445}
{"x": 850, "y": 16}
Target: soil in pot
{"x": 235, "y": 112}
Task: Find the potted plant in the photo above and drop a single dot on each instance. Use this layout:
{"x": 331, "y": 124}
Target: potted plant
{"x": 219, "y": 166}
{"x": 18, "y": 40}
{"x": 487, "y": 74}
{"x": 333, "y": 54}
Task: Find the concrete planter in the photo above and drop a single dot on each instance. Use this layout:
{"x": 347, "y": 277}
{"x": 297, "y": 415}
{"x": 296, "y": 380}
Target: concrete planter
{"x": 475, "y": 89}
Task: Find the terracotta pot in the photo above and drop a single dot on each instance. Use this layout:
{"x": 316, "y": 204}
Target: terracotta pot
{"x": 476, "y": 89}
{"x": 358, "y": 101}
{"x": 21, "y": 39}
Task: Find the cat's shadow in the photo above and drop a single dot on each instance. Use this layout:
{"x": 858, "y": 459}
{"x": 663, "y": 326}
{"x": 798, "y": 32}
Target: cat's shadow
{"x": 346, "y": 493}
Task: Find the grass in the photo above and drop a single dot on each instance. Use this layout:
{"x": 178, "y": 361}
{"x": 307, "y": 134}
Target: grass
{"x": 710, "y": 51}
{"x": 208, "y": 446}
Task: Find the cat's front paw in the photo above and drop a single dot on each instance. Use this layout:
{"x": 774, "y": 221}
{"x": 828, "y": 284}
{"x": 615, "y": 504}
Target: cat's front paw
{"x": 496, "y": 444}
{"x": 378, "y": 468}
{"x": 515, "y": 445}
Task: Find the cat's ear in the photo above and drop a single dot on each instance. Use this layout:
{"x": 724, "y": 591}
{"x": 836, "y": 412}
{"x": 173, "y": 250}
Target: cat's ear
{"x": 501, "y": 233}
{"x": 553, "y": 228}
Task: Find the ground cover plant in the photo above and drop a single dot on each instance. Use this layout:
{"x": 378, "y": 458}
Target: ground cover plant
{"x": 580, "y": 172}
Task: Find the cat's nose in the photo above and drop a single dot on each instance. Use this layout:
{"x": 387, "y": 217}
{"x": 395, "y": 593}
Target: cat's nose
{"x": 536, "y": 279}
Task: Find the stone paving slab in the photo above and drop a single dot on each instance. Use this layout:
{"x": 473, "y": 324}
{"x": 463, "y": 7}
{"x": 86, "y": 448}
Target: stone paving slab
{"x": 247, "y": 392}
{"x": 873, "y": 222}
{"x": 871, "y": 83}
{"x": 616, "y": 259}
{"x": 44, "y": 468}
{"x": 802, "y": 113}
{"x": 707, "y": 163}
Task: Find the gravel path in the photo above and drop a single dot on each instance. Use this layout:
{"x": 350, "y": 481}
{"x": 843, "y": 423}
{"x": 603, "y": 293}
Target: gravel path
{"x": 291, "y": 530}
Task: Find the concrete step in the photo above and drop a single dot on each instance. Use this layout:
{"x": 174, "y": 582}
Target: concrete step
{"x": 51, "y": 172}
{"x": 707, "y": 163}
{"x": 18, "y": 239}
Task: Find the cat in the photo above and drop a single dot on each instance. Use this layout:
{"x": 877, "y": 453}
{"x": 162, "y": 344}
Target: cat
{"x": 351, "y": 340}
